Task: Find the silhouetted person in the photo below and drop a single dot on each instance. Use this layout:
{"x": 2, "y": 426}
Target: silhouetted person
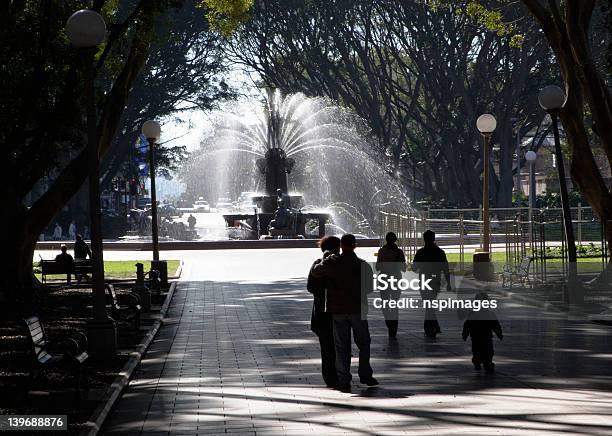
{"x": 480, "y": 326}
{"x": 430, "y": 260}
{"x": 321, "y": 322}
{"x": 72, "y": 230}
{"x": 81, "y": 252}
{"x": 66, "y": 262}
{"x": 348, "y": 280}
{"x": 191, "y": 220}
{"x": 391, "y": 261}
{"x": 57, "y": 232}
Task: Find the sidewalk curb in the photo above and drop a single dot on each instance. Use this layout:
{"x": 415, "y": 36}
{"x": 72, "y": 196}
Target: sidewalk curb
{"x": 115, "y": 390}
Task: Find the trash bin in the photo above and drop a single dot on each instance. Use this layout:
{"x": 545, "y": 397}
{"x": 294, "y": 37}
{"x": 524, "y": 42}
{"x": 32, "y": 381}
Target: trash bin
{"x": 483, "y": 268}
{"x": 162, "y": 267}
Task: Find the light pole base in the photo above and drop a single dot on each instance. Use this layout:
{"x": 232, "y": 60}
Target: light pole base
{"x": 483, "y": 267}
{"x": 102, "y": 337}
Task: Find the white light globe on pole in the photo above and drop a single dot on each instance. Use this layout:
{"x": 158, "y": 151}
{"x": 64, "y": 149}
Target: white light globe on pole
{"x": 486, "y": 124}
{"x": 552, "y": 98}
{"x": 531, "y": 156}
{"x": 86, "y": 28}
{"x": 151, "y": 129}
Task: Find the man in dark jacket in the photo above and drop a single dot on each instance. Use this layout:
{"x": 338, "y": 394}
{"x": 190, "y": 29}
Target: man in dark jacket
{"x": 348, "y": 280}
{"x": 391, "y": 261}
{"x": 430, "y": 260}
{"x": 321, "y": 322}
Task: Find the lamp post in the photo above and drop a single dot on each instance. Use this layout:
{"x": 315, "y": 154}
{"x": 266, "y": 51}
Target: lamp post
{"x": 531, "y": 157}
{"x": 486, "y": 125}
{"x": 152, "y": 130}
{"x": 86, "y": 30}
{"x": 517, "y": 129}
{"x": 552, "y": 99}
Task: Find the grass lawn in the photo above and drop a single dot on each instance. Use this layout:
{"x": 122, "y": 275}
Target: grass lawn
{"x": 585, "y": 264}
{"x": 121, "y": 269}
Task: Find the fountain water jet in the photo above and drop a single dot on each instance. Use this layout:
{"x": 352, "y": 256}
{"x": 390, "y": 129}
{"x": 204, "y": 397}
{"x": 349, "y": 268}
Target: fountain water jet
{"x": 309, "y": 144}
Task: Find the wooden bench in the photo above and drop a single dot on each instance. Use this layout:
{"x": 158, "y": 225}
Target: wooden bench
{"x": 78, "y": 268}
{"x": 70, "y": 350}
{"x": 129, "y": 312}
{"x": 520, "y": 274}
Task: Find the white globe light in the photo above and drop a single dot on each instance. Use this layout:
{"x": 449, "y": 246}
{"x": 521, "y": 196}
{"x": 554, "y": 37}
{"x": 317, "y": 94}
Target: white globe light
{"x": 486, "y": 123}
{"x": 151, "y": 129}
{"x": 86, "y": 28}
{"x": 531, "y": 156}
{"x": 551, "y": 97}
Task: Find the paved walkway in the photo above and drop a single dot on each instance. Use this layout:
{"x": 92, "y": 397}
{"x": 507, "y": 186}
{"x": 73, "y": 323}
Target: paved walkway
{"x": 238, "y": 357}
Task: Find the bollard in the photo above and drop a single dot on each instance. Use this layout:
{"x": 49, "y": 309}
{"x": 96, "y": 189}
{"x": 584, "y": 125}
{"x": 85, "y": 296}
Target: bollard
{"x": 483, "y": 267}
{"x": 162, "y": 267}
{"x": 141, "y": 289}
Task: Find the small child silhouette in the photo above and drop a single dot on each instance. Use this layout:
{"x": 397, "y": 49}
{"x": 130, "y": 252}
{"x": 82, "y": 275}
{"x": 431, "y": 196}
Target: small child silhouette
{"x": 480, "y": 326}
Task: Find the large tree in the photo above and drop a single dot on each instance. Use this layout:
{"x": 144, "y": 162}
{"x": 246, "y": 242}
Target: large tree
{"x": 42, "y": 133}
{"x": 580, "y": 35}
{"x": 419, "y": 77}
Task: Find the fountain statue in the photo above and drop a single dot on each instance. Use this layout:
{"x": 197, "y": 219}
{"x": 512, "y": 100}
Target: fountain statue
{"x": 297, "y": 142}
{"x": 275, "y": 217}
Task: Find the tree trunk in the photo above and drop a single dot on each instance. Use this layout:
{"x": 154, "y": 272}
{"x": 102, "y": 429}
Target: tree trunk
{"x": 17, "y": 278}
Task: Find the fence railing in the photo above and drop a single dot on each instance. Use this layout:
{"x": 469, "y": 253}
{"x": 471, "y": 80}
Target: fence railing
{"x": 513, "y": 236}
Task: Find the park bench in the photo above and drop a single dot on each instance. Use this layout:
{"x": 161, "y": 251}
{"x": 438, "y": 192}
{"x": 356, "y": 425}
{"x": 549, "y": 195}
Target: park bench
{"x": 68, "y": 350}
{"x": 79, "y": 268}
{"x": 129, "y": 312}
{"x": 520, "y": 274}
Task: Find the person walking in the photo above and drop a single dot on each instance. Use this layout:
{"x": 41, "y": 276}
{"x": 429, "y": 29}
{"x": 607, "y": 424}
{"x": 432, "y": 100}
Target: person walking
{"x": 72, "y": 230}
{"x": 348, "y": 280}
{"x": 480, "y": 326}
{"x": 391, "y": 261}
{"x": 430, "y": 261}
{"x": 191, "y": 221}
{"x": 57, "y": 232}
{"x": 321, "y": 322}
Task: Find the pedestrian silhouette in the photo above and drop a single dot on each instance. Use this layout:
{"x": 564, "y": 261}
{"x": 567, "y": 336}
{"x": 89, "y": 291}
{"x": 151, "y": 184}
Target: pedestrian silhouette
{"x": 321, "y": 322}
{"x": 480, "y": 326}
{"x": 430, "y": 261}
{"x": 81, "y": 253}
{"x": 191, "y": 220}
{"x": 348, "y": 280}
{"x": 65, "y": 262}
{"x": 391, "y": 261}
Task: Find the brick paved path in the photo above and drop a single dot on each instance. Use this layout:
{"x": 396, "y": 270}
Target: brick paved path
{"x": 239, "y": 358}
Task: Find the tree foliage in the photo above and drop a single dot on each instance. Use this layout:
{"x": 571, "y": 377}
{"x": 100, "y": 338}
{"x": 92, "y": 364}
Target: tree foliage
{"x": 420, "y": 77}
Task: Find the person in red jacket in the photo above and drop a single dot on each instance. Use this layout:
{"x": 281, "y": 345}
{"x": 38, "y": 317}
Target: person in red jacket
{"x": 349, "y": 280}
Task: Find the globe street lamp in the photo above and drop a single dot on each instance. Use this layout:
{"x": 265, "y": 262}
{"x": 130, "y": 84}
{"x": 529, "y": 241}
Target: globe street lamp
{"x": 86, "y": 30}
{"x": 152, "y": 131}
{"x": 531, "y": 157}
{"x": 552, "y": 99}
{"x": 486, "y": 125}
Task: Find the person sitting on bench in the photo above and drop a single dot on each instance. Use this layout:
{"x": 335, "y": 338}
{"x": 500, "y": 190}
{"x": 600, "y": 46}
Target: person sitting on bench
{"x": 66, "y": 262}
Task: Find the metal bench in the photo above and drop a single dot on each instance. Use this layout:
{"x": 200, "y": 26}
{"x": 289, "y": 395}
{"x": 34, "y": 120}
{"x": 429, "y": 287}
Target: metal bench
{"x": 78, "y": 268}
{"x": 129, "y": 312}
{"x": 69, "y": 350}
{"x": 520, "y": 274}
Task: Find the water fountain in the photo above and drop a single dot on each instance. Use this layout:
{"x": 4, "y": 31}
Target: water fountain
{"x": 297, "y": 143}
